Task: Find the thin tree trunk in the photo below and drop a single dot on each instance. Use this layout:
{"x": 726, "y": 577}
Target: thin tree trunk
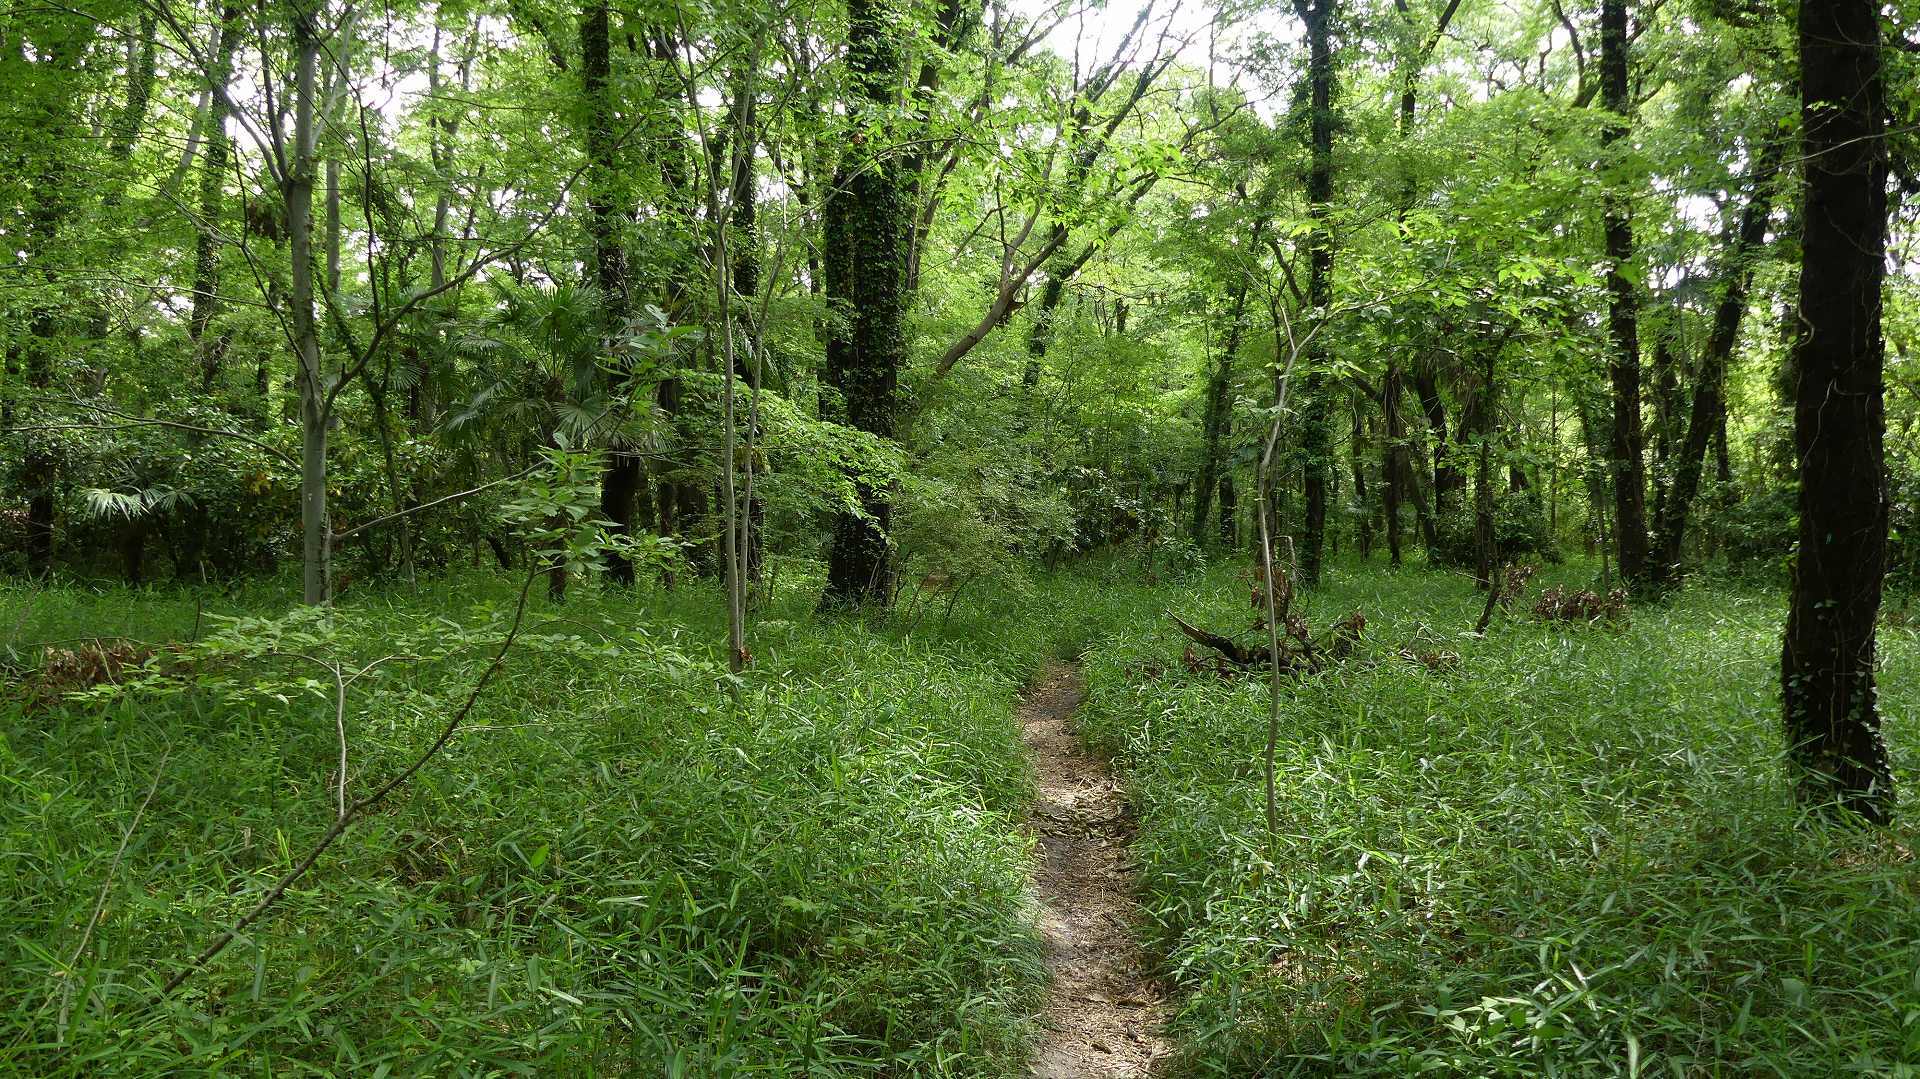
{"x": 744, "y": 265}
{"x": 1827, "y": 656}
{"x": 1356, "y": 458}
{"x": 47, "y": 216}
{"x": 1395, "y": 469}
{"x": 1219, "y": 416}
{"x": 1393, "y": 462}
{"x": 1708, "y": 415}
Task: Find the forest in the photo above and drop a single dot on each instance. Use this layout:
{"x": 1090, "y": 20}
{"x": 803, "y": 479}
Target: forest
{"x": 1134, "y": 538}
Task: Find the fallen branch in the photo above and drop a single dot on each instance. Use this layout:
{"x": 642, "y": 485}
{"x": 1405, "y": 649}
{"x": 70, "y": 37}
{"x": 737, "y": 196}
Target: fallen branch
{"x": 1240, "y": 655}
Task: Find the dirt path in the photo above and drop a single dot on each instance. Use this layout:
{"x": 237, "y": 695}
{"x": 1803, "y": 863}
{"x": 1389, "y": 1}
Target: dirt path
{"x": 1103, "y": 1014}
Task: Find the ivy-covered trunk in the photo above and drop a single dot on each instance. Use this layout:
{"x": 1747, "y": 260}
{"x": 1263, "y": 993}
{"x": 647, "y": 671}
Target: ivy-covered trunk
{"x": 58, "y": 55}
{"x": 866, "y": 260}
{"x": 1316, "y": 435}
{"x": 1826, "y": 662}
{"x": 1626, "y": 446}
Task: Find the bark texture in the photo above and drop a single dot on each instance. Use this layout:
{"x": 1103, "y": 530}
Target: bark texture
{"x": 1626, "y": 445}
{"x": 1827, "y": 658}
{"x": 867, "y": 235}
{"x": 605, "y": 225}
{"x": 1316, "y": 434}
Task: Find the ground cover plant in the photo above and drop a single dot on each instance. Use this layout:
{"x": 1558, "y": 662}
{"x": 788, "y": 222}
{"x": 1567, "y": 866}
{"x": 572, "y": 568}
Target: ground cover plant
{"x": 1575, "y": 851}
{"x": 613, "y": 866}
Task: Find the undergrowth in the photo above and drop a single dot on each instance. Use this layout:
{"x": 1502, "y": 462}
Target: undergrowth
{"x": 624, "y": 864}
{"x": 1574, "y": 851}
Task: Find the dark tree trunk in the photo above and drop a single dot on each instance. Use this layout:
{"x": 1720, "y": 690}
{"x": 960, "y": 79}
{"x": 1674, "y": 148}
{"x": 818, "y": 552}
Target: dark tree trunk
{"x": 46, "y": 214}
{"x": 1707, "y": 417}
{"x": 679, "y": 497}
{"x": 1446, "y": 478}
{"x": 1666, "y": 400}
{"x": 1040, "y": 334}
{"x": 1357, "y": 461}
{"x": 1485, "y": 538}
{"x": 133, "y": 550}
{"x": 1626, "y": 447}
{"x": 123, "y": 137}
{"x": 39, "y": 466}
{"x": 745, "y": 271}
{"x": 1218, "y": 422}
{"x": 1316, "y": 436}
{"x": 605, "y": 221}
{"x": 1395, "y": 468}
{"x": 1827, "y": 658}
{"x": 866, "y": 227}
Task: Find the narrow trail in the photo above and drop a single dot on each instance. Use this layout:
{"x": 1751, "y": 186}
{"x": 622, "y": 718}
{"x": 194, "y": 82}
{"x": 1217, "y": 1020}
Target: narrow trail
{"x": 1103, "y": 1013}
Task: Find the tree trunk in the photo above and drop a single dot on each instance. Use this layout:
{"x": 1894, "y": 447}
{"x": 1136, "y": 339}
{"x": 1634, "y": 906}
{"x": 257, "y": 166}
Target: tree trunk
{"x": 315, "y": 408}
{"x": 211, "y": 351}
{"x": 1446, "y": 478}
{"x": 1708, "y": 416}
{"x": 1393, "y": 461}
{"x": 1229, "y": 511}
{"x": 744, "y": 256}
{"x": 1316, "y": 437}
{"x": 621, "y": 479}
{"x": 678, "y": 498}
{"x": 1356, "y": 458}
{"x": 47, "y": 215}
{"x": 1218, "y": 421}
{"x": 1827, "y": 657}
{"x": 1485, "y": 537}
{"x": 1040, "y": 334}
{"x": 866, "y": 228}
{"x": 1395, "y": 469}
{"x": 1626, "y": 447}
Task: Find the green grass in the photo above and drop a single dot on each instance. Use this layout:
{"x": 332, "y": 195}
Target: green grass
{"x": 614, "y": 870}
{"x": 1575, "y": 853}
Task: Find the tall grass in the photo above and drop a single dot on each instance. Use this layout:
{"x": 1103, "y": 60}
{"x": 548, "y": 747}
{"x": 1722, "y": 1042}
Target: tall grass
{"x": 625, "y": 864}
{"x": 1575, "y": 852}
